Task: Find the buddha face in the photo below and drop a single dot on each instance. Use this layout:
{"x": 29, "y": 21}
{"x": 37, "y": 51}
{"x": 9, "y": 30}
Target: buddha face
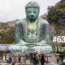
{"x": 32, "y": 13}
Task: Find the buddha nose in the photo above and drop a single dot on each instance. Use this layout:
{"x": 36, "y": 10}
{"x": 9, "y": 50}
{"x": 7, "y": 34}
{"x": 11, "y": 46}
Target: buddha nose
{"x": 32, "y": 14}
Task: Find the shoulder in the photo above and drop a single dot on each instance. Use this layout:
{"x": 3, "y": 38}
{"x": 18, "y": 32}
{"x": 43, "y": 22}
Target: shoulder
{"x": 20, "y": 21}
{"x": 43, "y": 21}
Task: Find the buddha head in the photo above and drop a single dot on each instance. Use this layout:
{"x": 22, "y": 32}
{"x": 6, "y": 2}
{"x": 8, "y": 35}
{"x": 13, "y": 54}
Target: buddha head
{"x": 32, "y": 11}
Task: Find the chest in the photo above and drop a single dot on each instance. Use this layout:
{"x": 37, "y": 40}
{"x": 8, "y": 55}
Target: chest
{"x": 32, "y": 29}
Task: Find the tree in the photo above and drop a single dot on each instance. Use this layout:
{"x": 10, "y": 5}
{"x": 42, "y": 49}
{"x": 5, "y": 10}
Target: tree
{"x": 56, "y": 14}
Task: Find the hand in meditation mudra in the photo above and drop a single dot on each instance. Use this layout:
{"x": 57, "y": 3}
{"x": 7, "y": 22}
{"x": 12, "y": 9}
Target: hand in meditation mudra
{"x": 32, "y": 30}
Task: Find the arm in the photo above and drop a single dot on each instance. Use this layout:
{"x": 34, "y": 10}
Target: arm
{"x": 44, "y": 34}
{"x": 47, "y": 38}
{"x": 17, "y": 32}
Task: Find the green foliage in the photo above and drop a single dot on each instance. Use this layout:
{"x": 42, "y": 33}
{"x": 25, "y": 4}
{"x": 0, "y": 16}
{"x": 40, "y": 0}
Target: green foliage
{"x": 7, "y": 36}
{"x": 56, "y": 12}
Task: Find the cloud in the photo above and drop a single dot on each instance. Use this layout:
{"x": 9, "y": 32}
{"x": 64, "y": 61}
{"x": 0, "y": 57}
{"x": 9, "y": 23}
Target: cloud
{"x": 12, "y": 9}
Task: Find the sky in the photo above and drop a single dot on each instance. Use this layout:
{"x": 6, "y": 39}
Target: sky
{"x": 15, "y": 9}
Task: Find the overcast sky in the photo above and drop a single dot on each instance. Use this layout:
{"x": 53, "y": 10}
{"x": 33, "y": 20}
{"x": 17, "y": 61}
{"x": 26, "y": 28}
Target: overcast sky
{"x": 15, "y": 9}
